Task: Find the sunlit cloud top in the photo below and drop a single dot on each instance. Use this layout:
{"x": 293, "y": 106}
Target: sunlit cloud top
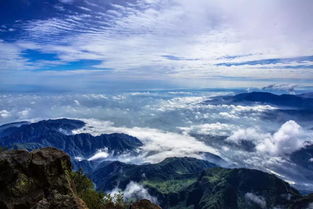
{"x": 217, "y": 42}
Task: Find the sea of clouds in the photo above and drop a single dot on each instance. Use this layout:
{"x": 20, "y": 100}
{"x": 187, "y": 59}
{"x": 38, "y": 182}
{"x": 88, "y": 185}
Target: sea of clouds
{"x": 176, "y": 123}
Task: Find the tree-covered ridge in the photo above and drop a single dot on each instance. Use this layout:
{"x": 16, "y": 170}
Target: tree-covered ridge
{"x": 196, "y": 184}
{"x": 170, "y": 171}
{"x": 238, "y": 188}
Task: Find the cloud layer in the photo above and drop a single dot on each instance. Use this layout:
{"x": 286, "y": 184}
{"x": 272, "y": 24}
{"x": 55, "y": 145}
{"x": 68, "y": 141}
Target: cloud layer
{"x": 222, "y": 41}
{"x": 176, "y": 123}
{"x": 259, "y": 200}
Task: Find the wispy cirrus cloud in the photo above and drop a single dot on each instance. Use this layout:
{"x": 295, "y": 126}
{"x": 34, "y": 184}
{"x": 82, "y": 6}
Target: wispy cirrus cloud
{"x": 177, "y": 39}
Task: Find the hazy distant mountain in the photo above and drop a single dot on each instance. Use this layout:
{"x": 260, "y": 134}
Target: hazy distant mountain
{"x": 284, "y": 100}
{"x": 9, "y": 128}
{"x": 303, "y": 157}
{"x": 57, "y": 133}
{"x": 306, "y": 95}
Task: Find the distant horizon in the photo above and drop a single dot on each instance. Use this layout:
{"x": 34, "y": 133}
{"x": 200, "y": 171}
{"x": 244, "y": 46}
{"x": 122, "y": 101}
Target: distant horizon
{"x": 36, "y": 90}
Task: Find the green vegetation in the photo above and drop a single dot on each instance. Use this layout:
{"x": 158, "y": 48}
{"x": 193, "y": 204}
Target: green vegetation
{"x": 93, "y": 199}
{"x": 170, "y": 186}
{"x": 23, "y": 184}
{"x": 220, "y": 188}
{"x": 172, "y": 171}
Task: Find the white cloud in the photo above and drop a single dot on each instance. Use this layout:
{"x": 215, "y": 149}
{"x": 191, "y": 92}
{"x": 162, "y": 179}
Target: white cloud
{"x": 228, "y": 115}
{"x": 4, "y": 114}
{"x": 209, "y": 129}
{"x": 76, "y": 102}
{"x": 100, "y": 154}
{"x": 136, "y": 191}
{"x": 79, "y": 158}
{"x": 67, "y": 1}
{"x": 289, "y": 138}
{"x": 259, "y": 200}
{"x": 249, "y": 134}
{"x": 11, "y": 58}
{"x": 130, "y": 38}
{"x": 158, "y": 144}
{"x": 24, "y": 113}
{"x": 180, "y": 103}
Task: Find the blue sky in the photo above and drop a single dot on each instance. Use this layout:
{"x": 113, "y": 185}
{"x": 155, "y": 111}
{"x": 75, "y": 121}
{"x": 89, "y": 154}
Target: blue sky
{"x": 93, "y": 44}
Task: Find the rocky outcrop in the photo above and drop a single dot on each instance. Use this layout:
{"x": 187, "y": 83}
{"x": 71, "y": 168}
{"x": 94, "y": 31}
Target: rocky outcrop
{"x": 43, "y": 179}
{"x": 39, "y": 180}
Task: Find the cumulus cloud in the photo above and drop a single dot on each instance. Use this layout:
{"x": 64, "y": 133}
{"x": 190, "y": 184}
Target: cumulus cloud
{"x": 249, "y": 134}
{"x": 287, "y": 139}
{"x": 259, "y": 200}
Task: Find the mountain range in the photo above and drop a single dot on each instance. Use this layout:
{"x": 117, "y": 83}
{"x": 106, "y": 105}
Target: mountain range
{"x": 197, "y": 184}
{"x": 57, "y": 133}
{"x": 175, "y": 183}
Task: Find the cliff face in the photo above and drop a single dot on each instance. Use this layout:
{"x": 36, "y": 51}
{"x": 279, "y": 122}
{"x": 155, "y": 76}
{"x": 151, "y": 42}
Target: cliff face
{"x": 38, "y": 179}
{"x": 43, "y": 179}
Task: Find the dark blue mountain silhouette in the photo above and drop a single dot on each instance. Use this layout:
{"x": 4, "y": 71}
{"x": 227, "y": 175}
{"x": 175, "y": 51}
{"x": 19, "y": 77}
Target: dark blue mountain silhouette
{"x": 57, "y": 133}
{"x": 284, "y": 100}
